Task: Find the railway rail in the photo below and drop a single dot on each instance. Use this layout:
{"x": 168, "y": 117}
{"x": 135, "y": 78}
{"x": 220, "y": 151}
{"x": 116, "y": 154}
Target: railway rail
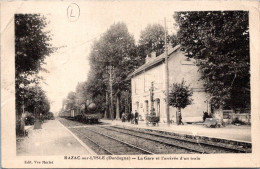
{"x": 122, "y": 140}
{"x": 111, "y": 145}
{"x": 149, "y": 145}
{"x": 189, "y": 144}
{"x": 164, "y": 146}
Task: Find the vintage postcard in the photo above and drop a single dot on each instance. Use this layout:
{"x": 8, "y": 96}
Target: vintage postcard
{"x": 130, "y": 84}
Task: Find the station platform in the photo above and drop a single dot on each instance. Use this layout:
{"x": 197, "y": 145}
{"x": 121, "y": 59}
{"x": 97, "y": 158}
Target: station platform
{"x": 52, "y": 139}
{"x": 230, "y": 132}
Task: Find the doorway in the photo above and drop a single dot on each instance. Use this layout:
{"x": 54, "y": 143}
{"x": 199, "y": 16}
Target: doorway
{"x": 146, "y": 107}
{"x": 157, "y": 108}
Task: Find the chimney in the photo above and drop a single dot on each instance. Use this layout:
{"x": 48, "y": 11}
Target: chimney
{"x": 150, "y": 57}
{"x": 153, "y": 55}
{"x": 147, "y": 59}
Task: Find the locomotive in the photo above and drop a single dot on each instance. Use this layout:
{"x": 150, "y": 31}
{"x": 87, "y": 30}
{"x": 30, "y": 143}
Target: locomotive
{"x": 86, "y": 113}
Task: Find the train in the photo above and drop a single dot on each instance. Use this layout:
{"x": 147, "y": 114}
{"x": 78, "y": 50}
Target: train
{"x": 86, "y": 113}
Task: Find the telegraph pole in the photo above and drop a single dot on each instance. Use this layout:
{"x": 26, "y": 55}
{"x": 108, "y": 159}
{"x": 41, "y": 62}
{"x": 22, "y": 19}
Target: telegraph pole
{"x": 106, "y": 110}
{"x": 166, "y": 77}
{"x": 152, "y": 100}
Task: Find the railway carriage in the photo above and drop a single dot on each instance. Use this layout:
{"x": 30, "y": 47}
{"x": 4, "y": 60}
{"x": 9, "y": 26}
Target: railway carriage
{"x": 65, "y": 114}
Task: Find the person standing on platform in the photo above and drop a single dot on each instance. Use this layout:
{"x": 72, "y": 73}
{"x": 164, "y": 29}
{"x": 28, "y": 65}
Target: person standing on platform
{"x": 180, "y": 119}
{"x": 132, "y": 118}
{"x": 136, "y": 117}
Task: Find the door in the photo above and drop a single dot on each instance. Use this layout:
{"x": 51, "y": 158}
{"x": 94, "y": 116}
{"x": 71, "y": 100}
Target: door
{"x": 146, "y": 107}
{"x": 158, "y": 107}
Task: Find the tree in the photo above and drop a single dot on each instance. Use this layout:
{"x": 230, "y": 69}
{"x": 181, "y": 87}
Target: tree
{"x": 32, "y": 46}
{"x": 220, "y": 42}
{"x": 95, "y": 88}
{"x": 71, "y": 101}
{"x": 32, "y": 43}
{"x": 35, "y": 97}
{"x": 180, "y": 97}
{"x": 115, "y": 48}
{"x": 81, "y": 94}
{"x": 152, "y": 39}
{"x": 35, "y": 101}
{"x": 173, "y": 40}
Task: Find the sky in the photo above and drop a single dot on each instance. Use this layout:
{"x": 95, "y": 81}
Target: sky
{"x": 69, "y": 65}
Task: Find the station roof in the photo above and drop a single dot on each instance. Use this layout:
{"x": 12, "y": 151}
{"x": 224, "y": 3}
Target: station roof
{"x": 151, "y": 63}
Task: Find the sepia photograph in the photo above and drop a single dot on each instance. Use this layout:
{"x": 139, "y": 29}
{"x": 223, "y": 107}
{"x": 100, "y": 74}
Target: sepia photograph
{"x": 128, "y": 81}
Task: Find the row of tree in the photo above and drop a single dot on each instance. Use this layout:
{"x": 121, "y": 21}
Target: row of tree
{"x": 116, "y": 49}
{"x": 32, "y": 46}
{"x": 218, "y": 40}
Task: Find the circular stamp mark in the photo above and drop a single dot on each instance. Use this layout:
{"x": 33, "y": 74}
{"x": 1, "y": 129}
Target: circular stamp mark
{"x": 73, "y": 12}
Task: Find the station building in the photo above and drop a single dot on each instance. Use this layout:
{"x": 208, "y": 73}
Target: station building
{"x": 180, "y": 68}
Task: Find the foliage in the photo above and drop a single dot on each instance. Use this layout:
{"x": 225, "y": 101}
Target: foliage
{"x": 81, "y": 94}
{"x": 71, "y": 102}
{"x": 29, "y": 120}
{"x": 152, "y": 39}
{"x": 173, "y": 40}
{"x": 220, "y": 42}
{"x": 100, "y": 101}
{"x": 115, "y": 48}
{"x": 34, "y": 97}
{"x": 48, "y": 116}
{"x": 179, "y": 95}
{"x": 32, "y": 46}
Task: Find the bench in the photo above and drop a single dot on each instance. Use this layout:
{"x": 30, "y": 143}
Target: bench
{"x": 211, "y": 122}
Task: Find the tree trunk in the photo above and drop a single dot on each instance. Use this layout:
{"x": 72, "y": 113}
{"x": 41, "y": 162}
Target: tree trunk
{"x": 129, "y": 103}
{"x": 111, "y": 107}
{"x": 117, "y": 107}
{"x": 218, "y": 114}
{"x": 19, "y": 124}
{"x": 178, "y": 116}
{"x": 125, "y": 106}
{"x": 37, "y": 123}
{"x": 108, "y": 112}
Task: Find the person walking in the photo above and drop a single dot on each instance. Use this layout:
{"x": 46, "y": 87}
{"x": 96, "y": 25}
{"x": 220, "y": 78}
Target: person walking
{"x": 136, "y": 117}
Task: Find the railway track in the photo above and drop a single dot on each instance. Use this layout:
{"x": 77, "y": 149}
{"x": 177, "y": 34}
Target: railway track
{"x": 188, "y": 144}
{"x": 119, "y": 140}
{"x": 111, "y": 145}
{"x": 151, "y": 145}
{"x": 161, "y": 147}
